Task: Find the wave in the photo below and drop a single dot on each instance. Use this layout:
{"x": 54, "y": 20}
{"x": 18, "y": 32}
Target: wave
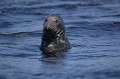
{"x": 19, "y": 55}
{"x": 22, "y": 34}
{"x": 114, "y": 15}
{"x": 36, "y": 9}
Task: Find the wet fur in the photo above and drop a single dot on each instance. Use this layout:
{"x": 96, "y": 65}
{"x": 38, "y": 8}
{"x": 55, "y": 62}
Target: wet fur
{"x": 54, "y": 37}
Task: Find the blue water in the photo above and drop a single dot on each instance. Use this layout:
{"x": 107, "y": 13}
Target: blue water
{"x": 93, "y": 29}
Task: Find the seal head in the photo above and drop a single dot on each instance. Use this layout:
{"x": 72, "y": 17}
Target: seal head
{"x": 54, "y": 37}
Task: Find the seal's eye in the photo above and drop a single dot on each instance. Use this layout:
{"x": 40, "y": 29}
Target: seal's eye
{"x": 56, "y": 21}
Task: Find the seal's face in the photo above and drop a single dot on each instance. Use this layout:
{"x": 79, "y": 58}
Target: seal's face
{"x": 53, "y": 25}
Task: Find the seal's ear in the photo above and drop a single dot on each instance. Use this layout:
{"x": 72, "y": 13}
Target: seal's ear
{"x": 46, "y": 20}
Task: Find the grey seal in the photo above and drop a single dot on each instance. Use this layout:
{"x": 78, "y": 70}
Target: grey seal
{"x": 54, "y": 37}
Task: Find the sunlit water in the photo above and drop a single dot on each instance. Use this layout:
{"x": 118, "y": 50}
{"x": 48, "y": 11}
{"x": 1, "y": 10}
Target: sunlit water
{"x": 93, "y": 29}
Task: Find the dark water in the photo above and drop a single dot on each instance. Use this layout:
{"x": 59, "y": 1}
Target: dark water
{"x": 93, "y": 29}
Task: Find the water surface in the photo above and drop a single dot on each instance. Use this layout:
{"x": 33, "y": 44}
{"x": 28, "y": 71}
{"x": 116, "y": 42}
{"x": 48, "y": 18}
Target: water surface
{"x": 93, "y": 29}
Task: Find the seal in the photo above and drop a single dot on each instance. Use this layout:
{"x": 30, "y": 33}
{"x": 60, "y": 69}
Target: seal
{"x": 54, "y": 37}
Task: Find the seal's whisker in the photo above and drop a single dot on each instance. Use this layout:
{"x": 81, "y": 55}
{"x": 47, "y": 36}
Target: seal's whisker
{"x": 60, "y": 32}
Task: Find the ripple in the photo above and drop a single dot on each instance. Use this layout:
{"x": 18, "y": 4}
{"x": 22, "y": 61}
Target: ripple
{"x": 114, "y": 15}
{"x": 4, "y": 66}
{"x": 108, "y": 26}
{"x": 5, "y": 24}
{"x": 3, "y": 77}
{"x": 107, "y": 73}
{"x": 80, "y": 23}
{"x": 23, "y": 55}
{"x": 36, "y": 9}
{"x": 22, "y": 34}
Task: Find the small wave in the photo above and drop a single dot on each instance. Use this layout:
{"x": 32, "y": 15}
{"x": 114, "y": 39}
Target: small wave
{"x": 5, "y": 24}
{"x": 4, "y": 66}
{"x": 108, "y": 73}
{"x": 3, "y": 77}
{"x": 22, "y": 10}
{"x": 22, "y": 34}
{"x": 36, "y": 10}
{"x": 19, "y": 55}
{"x": 114, "y": 15}
{"x": 69, "y": 5}
{"x": 78, "y": 23}
{"x": 108, "y": 26}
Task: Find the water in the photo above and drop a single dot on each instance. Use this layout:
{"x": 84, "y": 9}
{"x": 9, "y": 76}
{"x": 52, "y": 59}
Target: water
{"x": 92, "y": 26}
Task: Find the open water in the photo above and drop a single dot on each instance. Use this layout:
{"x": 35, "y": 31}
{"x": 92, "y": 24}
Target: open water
{"x": 93, "y": 29}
